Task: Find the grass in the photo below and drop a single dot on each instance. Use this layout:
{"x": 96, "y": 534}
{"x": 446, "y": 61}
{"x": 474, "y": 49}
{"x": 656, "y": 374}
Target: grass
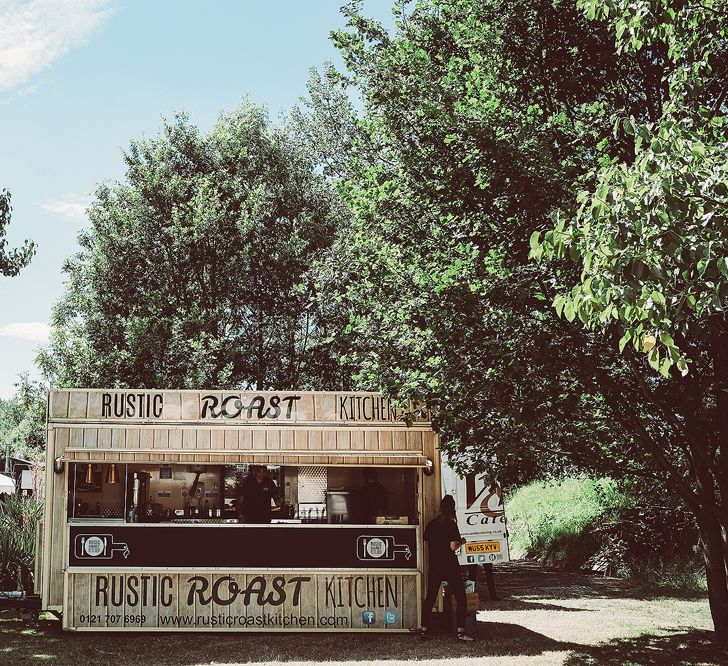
{"x": 670, "y": 578}
{"x": 546, "y": 617}
{"x": 546, "y": 516}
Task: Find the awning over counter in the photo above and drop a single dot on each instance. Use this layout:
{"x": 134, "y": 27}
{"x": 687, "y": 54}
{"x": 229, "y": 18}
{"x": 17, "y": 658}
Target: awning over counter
{"x": 350, "y": 458}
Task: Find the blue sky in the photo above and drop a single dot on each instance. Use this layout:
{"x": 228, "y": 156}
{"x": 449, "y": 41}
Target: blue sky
{"x": 80, "y": 78}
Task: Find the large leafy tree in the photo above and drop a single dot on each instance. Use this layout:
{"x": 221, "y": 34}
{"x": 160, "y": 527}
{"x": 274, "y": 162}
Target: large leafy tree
{"x": 194, "y": 271}
{"x": 11, "y": 262}
{"x": 481, "y": 120}
{"x": 650, "y": 238}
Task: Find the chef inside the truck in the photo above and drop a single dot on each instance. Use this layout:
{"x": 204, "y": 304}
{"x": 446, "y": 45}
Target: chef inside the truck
{"x": 257, "y": 493}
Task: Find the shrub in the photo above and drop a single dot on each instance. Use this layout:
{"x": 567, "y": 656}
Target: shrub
{"x": 607, "y": 527}
{"x": 654, "y": 545}
{"x": 548, "y": 519}
{"x": 18, "y": 520}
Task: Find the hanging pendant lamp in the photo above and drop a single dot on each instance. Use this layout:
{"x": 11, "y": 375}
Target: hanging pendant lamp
{"x": 111, "y": 474}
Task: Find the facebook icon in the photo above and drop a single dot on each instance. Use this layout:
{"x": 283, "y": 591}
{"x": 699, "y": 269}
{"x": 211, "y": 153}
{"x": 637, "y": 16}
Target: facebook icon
{"x": 368, "y": 617}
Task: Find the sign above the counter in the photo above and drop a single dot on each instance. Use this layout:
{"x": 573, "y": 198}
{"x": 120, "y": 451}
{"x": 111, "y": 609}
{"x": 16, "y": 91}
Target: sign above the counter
{"x": 228, "y": 406}
{"x": 251, "y": 427}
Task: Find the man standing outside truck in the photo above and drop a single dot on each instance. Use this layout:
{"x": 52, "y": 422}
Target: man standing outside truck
{"x": 443, "y": 539}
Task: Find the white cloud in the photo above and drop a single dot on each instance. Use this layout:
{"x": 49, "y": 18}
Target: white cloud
{"x": 71, "y": 205}
{"x": 36, "y": 33}
{"x": 32, "y": 331}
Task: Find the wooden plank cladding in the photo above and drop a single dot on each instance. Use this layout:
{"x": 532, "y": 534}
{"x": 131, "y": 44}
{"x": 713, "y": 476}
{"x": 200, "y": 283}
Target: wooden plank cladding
{"x": 237, "y": 427}
{"x": 228, "y": 407}
{"x": 241, "y": 601}
{"x": 307, "y": 442}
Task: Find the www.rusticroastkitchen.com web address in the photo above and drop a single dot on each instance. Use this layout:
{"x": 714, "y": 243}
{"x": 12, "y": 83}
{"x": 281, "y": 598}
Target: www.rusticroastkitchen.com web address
{"x": 253, "y": 621}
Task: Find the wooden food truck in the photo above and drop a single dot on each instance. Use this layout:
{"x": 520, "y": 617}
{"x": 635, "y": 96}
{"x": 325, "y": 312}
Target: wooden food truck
{"x": 145, "y": 528}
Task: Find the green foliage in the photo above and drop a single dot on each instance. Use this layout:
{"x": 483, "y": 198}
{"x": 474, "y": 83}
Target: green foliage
{"x": 652, "y": 234}
{"x": 545, "y": 518}
{"x": 195, "y": 270}
{"x": 484, "y": 125}
{"x": 653, "y": 242}
{"x": 479, "y": 119}
{"x": 607, "y": 526}
{"x": 677, "y": 575}
{"x": 19, "y": 517}
{"x": 23, "y": 420}
{"x": 13, "y": 261}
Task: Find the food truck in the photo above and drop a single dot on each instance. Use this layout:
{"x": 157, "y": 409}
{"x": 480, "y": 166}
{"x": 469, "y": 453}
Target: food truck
{"x": 481, "y": 516}
{"x": 143, "y": 528}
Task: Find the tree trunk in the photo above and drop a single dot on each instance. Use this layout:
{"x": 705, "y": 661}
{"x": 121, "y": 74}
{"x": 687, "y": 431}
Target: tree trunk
{"x": 716, "y": 550}
{"x": 716, "y": 572}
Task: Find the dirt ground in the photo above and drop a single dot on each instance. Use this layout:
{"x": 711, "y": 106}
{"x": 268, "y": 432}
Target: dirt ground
{"x": 576, "y": 618}
{"x": 544, "y": 617}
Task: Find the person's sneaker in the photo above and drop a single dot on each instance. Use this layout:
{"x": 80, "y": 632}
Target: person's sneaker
{"x": 465, "y": 637}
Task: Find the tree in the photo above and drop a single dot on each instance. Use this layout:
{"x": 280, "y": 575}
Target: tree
{"x": 23, "y": 419}
{"x": 13, "y": 261}
{"x": 481, "y": 120}
{"x": 194, "y": 272}
{"x": 650, "y": 238}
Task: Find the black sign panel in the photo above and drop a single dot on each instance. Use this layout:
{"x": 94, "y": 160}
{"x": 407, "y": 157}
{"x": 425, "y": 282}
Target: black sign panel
{"x": 250, "y": 547}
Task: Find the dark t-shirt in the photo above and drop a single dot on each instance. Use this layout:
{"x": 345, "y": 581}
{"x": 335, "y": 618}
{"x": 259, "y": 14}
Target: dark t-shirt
{"x": 256, "y": 499}
{"x": 438, "y": 534}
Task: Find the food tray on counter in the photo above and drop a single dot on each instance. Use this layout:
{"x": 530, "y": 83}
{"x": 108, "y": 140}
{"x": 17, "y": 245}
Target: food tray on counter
{"x": 205, "y": 521}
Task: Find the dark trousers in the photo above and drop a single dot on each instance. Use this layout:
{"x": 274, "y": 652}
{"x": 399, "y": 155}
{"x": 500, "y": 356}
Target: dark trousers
{"x": 455, "y": 582}
{"x": 489, "y": 578}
